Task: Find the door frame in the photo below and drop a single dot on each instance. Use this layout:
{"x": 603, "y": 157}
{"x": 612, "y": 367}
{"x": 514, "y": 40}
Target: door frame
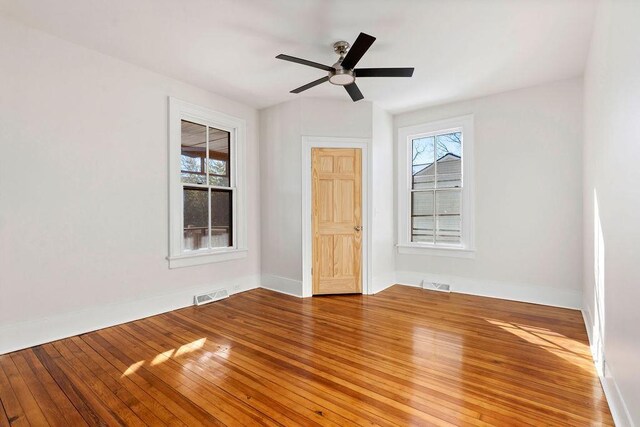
{"x": 309, "y": 142}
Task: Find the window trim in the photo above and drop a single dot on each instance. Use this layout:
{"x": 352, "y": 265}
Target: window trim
{"x": 405, "y": 136}
{"x": 181, "y": 110}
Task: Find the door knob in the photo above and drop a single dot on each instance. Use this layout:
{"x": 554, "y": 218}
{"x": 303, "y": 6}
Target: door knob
{"x": 357, "y": 228}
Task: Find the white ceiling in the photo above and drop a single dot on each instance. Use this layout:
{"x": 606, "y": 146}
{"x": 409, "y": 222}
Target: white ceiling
{"x": 460, "y": 48}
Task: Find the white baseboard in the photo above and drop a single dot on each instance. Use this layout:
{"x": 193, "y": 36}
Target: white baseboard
{"x": 504, "y": 290}
{"x": 509, "y": 291}
{"x": 293, "y": 287}
{"x": 380, "y": 285}
{"x": 619, "y": 409}
{"x": 28, "y": 333}
{"x": 282, "y": 284}
{"x": 588, "y": 324}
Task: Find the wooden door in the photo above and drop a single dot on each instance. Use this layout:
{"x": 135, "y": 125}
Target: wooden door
{"x": 336, "y": 220}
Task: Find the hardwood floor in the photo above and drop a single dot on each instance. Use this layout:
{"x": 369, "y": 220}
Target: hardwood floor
{"x": 402, "y": 357}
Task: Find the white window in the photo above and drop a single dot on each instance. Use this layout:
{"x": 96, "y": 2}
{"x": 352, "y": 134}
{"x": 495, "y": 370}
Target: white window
{"x": 435, "y": 188}
{"x": 206, "y": 185}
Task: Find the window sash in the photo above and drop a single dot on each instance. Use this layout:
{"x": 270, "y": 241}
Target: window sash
{"x": 435, "y": 215}
{"x": 435, "y": 189}
{"x": 231, "y": 188}
{"x": 232, "y": 227}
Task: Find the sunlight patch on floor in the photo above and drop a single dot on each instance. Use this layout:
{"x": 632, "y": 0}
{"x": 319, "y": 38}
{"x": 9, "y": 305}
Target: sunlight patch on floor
{"x": 170, "y": 354}
{"x": 131, "y": 369}
{"x": 162, "y": 357}
{"x": 570, "y": 350}
{"x": 192, "y": 346}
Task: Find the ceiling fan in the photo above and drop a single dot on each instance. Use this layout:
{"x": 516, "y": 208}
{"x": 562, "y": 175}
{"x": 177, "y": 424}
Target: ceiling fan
{"x": 343, "y": 72}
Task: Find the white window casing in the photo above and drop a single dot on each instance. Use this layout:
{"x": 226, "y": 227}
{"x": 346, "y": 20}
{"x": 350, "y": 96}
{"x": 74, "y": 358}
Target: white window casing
{"x": 406, "y": 135}
{"x": 178, "y": 256}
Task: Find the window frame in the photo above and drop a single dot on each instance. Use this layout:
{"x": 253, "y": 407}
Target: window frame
{"x": 178, "y": 257}
{"x": 406, "y": 135}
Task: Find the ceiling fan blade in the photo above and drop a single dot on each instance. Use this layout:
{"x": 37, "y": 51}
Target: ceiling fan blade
{"x": 384, "y": 72}
{"x": 310, "y": 85}
{"x": 304, "y": 62}
{"x": 359, "y": 48}
{"x": 354, "y": 92}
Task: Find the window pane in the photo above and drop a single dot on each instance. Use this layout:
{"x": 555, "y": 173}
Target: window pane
{"x": 196, "y": 217}
{"x": 221, "y": 211}
{"x": 449, "y": 159}
{"x": 448, "y": 216}
{"x": 422, "y": 150}
{"x": 422, "y": 216}
{"x": 218, "y": 163}
{"x": 193, "y": 145}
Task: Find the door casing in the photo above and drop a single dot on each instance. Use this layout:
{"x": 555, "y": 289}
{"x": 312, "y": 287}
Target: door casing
{"x": 309, "y": 142}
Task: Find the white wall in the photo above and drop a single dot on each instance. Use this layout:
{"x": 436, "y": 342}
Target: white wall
{"x": 382, "y": 195}
{"x": 528, "y": 204}
{"x": 83, "y": 191}
{"x": 281, "y": 129}
{"x": 612, "y": 174}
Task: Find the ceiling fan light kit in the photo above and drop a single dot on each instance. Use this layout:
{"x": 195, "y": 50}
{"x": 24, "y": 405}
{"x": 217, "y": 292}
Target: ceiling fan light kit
{"x": 341, "y": 77}
{"x": 343, "y": 72}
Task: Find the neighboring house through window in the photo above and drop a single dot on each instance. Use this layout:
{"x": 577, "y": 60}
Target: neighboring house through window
{"x": 435, "y": 191}
{"x": 206, "y": 192}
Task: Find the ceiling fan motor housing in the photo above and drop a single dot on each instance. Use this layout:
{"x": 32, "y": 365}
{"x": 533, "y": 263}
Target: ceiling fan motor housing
{"x": 341, "y": 76}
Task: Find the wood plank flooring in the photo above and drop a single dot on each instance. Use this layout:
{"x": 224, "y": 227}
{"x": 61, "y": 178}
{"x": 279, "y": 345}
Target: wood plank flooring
{"x": 402, "y": 357}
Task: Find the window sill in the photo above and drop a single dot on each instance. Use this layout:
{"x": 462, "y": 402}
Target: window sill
{"x": 446, "y": 251}
{"x": 188, "y": 260}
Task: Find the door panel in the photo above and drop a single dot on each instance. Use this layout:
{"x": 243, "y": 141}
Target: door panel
{"x": 325, "y": 202}
{"x": 345, "y": 164}
{"x": 326, "y": 255}
{"x": 344, "y": 249}
{"x": 344, "y": 196}
{"x": 336, "y": 220}
{"x": 326, "y": 164}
